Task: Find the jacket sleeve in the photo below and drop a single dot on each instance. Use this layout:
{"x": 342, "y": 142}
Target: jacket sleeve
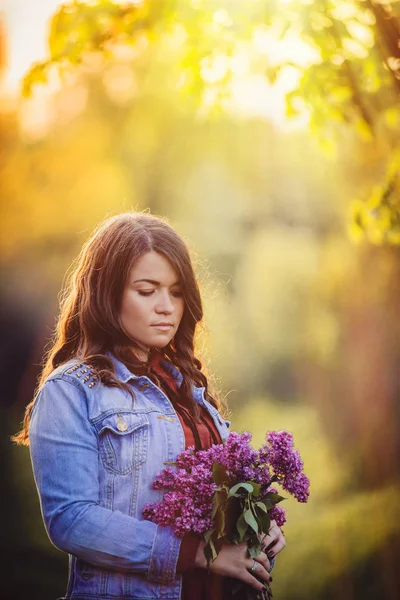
{"x": 64, "y": 453}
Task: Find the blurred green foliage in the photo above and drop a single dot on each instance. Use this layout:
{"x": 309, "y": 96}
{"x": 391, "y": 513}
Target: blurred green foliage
{"x": 351, "y": 74}
{"x": 379, "y": 217}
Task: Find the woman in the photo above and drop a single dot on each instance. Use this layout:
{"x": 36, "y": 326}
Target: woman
{"x": 121, "y": 394}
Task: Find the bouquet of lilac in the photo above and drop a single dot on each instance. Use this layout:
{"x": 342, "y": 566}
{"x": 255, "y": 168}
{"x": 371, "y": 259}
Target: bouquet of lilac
{"x": 226, "y": 494}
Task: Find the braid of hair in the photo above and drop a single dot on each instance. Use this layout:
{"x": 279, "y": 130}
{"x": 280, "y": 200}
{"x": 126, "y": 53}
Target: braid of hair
{"x": 202, "y": 379}
{"x": 182, "y": 355}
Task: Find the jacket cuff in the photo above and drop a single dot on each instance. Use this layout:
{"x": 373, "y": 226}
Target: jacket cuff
{"x": 188, "y": 551}
{"x": 164, "y": 556}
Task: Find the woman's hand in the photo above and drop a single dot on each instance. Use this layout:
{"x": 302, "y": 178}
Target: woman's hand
{"x": 274, "y": 541}
{"x": 234, "y": 561}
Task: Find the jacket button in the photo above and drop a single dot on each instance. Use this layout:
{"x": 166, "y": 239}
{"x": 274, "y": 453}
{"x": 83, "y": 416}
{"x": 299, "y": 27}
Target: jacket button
{"x": 121, "y": 424}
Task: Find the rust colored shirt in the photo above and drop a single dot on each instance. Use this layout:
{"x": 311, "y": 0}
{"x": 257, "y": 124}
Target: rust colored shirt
{"x": 197, "y": 584}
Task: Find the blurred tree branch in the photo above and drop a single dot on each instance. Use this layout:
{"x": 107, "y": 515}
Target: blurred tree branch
{"x": 353, "y": 81}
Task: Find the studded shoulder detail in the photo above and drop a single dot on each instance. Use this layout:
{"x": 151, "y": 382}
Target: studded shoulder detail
{"x": 85, "y": 373}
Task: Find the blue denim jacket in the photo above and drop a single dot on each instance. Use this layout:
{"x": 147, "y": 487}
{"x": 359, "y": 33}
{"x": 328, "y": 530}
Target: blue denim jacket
{"x": 95, "y": 453}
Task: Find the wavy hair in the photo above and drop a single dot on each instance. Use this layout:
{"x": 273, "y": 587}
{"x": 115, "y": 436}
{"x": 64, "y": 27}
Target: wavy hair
{"x": 89, "y": 324}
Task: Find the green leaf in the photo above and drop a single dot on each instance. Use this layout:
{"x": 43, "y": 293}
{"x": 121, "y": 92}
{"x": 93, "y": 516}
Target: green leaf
{"x": 271, "y": 499}
{"x": 212, "y": 547}
{"x": 207, "y": 535}
{"x": 37, "y": 74}
{"x": 246, "y": 486}
{"x": 219, "y": 474}
{"x": 221, "y": 525}
{"x": 233, "y": 510}
{"x": 255, "y": 549}
{"x": 220, "y": 521}
{"x": 219, "y": 501}
{"x": 250, "y": 520}
{"x": 241, "y": 527}
{"x": 264, "y": 520}
{"x": 208, "y": 553}
{"x": 256, "y": 488}
{"x": 261, "y": 506}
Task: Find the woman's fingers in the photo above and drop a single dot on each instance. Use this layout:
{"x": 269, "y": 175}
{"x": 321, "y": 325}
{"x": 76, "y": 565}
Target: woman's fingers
{"x": 274, "y": 542}
{"x": 250, "y": 580}
{"x": 263, "y": 560}
{"x": 261, "y": 571}
{"x": 277, "y": 547}
{"x": 273, "y": 546}
{"x": 233, "y": 561}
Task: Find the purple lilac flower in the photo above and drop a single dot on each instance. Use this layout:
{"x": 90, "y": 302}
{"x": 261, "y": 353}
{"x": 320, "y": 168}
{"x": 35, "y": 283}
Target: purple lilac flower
{"x": 298, "y": 486}
{"x": 240, "y": 458}
{"x": 286, "y": 463}
{"x": 262, "y": 475}
{"x": 187, "y": 502}
{"x": 280, "y": 454}
{"x": 189, "y": 488}
{"x": 278, "y": 514}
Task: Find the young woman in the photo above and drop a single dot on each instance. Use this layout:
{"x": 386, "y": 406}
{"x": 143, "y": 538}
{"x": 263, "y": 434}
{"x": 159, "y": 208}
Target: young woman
{"x": 122, "y": 393}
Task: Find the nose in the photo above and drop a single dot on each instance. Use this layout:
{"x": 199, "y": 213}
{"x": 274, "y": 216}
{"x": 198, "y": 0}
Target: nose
{"x": 165, "y": 305}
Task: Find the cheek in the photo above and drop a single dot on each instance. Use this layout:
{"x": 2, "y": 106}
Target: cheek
{"x": 133, "y": 309}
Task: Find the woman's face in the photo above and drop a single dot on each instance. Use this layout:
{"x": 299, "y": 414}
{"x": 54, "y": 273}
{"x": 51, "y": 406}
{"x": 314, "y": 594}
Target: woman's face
{"x": 152, "y": 301}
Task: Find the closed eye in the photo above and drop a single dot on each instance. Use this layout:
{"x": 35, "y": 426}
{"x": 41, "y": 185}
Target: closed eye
{"x": 175, "y": 294}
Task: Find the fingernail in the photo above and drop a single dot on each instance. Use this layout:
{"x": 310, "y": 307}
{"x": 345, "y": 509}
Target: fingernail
{"x": 271, "y": 554}
{"x": 266, "y": 585}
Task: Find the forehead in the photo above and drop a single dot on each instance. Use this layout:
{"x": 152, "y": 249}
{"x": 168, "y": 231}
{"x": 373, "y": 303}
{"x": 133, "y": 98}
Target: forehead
{"x": 153, "y": 265}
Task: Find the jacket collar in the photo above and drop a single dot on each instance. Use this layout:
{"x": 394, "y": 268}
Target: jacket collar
{"x": 124, "y": 374}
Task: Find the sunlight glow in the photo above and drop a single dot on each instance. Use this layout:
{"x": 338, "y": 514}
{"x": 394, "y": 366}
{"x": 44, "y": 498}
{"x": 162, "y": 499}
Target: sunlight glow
{"x": 252, "y": 93}
{"x": 26, "y": 30}
{"x": 256, "y": 87}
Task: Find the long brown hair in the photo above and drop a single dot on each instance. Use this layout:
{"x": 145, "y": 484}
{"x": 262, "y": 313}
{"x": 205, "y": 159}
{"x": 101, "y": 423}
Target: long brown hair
{"x": 89, "y": 325}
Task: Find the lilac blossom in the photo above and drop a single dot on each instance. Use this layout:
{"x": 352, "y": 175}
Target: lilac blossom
{"x": 298, "y": 486}
{"x": 285, "y": 463}
{"x": 241, "y": 458}
{"x": 189, "y": 487}
{"x": 278, "y": 514}
{"x": 187, "y": 502}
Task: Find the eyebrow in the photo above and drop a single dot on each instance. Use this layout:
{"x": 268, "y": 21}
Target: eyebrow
{"x": 154, "y": 282}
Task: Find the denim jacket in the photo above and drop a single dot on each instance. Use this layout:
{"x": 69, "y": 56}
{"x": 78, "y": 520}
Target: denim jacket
{"x": 95, "y": 453}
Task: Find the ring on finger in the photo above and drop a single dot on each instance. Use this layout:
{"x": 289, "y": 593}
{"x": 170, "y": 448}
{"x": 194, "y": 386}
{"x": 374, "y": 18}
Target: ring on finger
{"x": 254, "y": 566}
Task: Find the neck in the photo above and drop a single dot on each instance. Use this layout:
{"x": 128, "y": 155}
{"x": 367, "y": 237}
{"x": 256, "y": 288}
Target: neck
{"x": 140, "y": 353}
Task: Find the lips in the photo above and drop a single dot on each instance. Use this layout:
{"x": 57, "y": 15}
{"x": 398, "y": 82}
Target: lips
{"x": 163, "y": 326}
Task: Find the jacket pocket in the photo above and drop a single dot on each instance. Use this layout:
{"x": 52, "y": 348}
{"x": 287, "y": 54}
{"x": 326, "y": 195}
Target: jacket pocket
{"x": 123, "y": 439}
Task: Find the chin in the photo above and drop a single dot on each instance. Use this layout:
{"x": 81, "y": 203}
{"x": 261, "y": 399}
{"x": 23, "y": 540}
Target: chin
{"x": 160, "y": 343}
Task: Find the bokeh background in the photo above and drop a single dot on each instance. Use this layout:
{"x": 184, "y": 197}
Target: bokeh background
{"x": 267, "y": 132}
